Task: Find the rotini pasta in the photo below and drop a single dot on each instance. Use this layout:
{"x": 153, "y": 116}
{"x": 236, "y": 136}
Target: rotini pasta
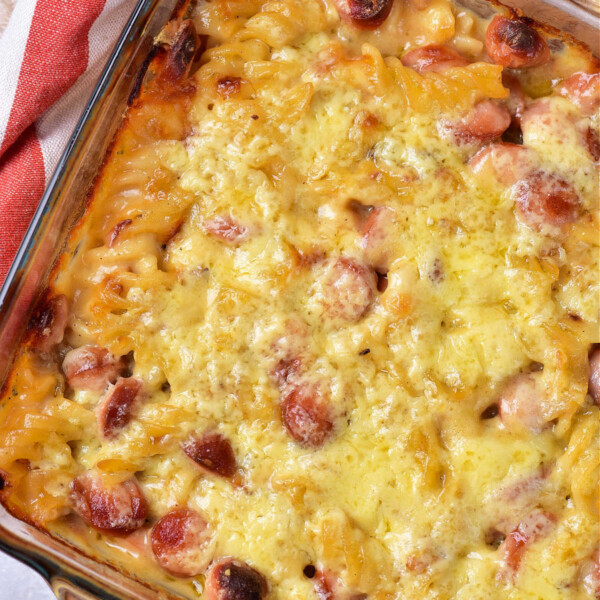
{"x": 329, "y": 326}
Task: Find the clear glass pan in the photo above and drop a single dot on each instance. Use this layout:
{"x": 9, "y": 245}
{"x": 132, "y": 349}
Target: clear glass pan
{"x": 71, "y": 575}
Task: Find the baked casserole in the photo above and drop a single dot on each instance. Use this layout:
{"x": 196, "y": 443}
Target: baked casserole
{"x": 328, "y": 328}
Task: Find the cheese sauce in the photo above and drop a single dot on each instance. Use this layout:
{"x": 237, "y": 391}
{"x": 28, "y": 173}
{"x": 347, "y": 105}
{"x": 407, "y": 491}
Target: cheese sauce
{"x": 320, "y": 320}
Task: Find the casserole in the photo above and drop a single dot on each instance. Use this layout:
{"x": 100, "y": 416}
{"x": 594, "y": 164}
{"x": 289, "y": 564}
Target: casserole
{"x": 229, "y": 232}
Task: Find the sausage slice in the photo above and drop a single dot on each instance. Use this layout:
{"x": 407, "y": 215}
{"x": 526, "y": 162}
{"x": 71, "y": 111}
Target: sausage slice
{"x": 535, "y": 526}
{"x": 49, "y": 323}
{"x": 433, "y": 58}
{"x": 521, "y": 404}
{"x": 377, "y": 237}
{"x": 544, "y": 199}
{"x": 118, "y": 405}
{"x": 226, "y": 229}
{"x": 212, "y": 452}
{"x": 364, "y": 14}
{"x": 583, "y": 89}
{"x": 506, "y": 162}
{"x": 91, "y": 368}
{"x": 119, "y": 508}
{"x": 514, "y": 43}
{"x": 306, "y": 416}
{"x": 232, "y": 579}
{"x": 182, "y": 542}
{"x": 343, "y": 290}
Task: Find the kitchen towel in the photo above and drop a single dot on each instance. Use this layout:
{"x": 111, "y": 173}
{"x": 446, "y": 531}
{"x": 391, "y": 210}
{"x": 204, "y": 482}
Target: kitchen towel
{"x": 53, "y": 52}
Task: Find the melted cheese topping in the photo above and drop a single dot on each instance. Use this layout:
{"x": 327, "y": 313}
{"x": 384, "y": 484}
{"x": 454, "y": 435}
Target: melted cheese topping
{"x": 235, "y": 202}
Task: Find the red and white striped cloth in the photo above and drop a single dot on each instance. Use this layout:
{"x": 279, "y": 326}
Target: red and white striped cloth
{"x": 51, "y": 55}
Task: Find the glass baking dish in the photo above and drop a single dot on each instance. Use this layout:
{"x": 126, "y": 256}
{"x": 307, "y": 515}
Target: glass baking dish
{"x": 71, "y": 575}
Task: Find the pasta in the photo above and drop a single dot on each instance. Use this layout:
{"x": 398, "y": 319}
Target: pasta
{"x": 329, "y": 326}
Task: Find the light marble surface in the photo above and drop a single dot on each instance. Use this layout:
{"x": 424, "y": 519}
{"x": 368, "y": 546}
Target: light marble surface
{"x": 19, "y": 581}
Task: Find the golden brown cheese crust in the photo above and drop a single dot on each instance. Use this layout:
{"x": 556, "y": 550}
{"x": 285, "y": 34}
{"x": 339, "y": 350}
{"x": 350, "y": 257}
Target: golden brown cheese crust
{"x": 330, "y": 328}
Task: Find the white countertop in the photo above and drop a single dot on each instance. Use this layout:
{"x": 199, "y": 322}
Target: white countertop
{"x": 22, "y": 582}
